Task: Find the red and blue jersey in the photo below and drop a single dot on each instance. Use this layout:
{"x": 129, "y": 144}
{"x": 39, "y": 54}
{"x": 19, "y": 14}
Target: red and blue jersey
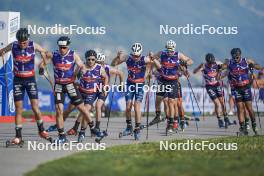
{"x": 210, "y": 74}
{"x": 238, "y": 75}
{"x": 90, "y": 80}
{"x": 63, "y": 67}
{"x": 169, "y": 65}
{"x": 136, "y": 69}
{"x": 24, "y": 60}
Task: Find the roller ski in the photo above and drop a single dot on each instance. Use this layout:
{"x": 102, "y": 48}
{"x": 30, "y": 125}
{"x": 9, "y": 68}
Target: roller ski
{"x": 101, "y": 136}
{"x": 242, "y": 132}
{"x": 228, "y": 123}
{"x": 15, "y": 142}
{"x": 52, "y": 128}
{"x": 61, "y": 140}
{"x": 137, "y": 134}
{"x": 45, "y": 135}
{"x": 127, "y": 132}
{"x": 156, "y": 120}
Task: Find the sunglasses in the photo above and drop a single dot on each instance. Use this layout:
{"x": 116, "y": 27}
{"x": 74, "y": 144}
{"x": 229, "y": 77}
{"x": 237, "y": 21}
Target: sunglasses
{"x": 91, "y": 59}
{"x": 63, "y": 47}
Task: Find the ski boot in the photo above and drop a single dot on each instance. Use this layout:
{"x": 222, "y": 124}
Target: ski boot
{"x": 220, "y": 123}
{"x": 72, "y": 131}
{"x": 247, "y": 124}
{"x": 99, "y": 135}
{"x": 52, "y": 128}
{"x": 182, "y": 125}
{"x": 61, "y": 139}
{"x": 137, "y": 134}
{"x": 169, "y": 128}
{"x": 45, "y": 135}
{"x": 175, "y": 125}
{"x": 15, "y": 142}
{"x": 103, "y": 135}
{"x": 128, "y": 131}
{"x": 81, "y": 137}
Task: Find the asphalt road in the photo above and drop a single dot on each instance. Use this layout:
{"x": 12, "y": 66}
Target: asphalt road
{"x": 17, "y": 161}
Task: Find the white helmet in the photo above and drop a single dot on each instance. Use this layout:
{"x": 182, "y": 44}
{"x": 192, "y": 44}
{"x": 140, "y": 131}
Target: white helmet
{"x": 171, "y": 45}
{"x": 100, "y": 57}
{"x": 137, "y": 49}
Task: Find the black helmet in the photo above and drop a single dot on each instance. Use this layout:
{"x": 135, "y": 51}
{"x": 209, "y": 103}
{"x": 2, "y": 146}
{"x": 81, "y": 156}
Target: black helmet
{"x": 64, "y": 41}
{"x": 22, "y": 34}
{"x": 209, "y": 57}
{"x": 235, "y": 51}
{"x": 90, "y": 53}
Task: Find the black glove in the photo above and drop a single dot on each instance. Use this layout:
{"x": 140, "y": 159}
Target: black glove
{"x": 219, "y": 67}
{"x": 251, "y": 66}
{"x": 41, "y": 71}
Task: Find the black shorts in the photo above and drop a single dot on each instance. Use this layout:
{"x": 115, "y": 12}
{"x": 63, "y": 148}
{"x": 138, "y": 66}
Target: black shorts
{"x": 168, "y": 88}
{"x": 21, "y": 85}
{"x": 214, "y": 91}
{"x": 71, "y": 90}
{"x": 242, "y": 94}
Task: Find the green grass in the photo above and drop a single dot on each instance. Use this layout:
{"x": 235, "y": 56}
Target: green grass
{"x": 146, "y": 159}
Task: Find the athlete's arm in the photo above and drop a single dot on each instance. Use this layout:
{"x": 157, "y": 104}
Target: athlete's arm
{"x": 117, "y": 72}
{"x": 186, "y": 59}
{"x": 78, "y": 61}
{"x": 156, "y": 56}
{"x": 155, "y": 59}
{"x": 42, "y": 52}
{"x": 199, "y": 68}
{"x": 105, "y": 78}
{"x": 6, "y": 49}
{"x": 119, "y": 59}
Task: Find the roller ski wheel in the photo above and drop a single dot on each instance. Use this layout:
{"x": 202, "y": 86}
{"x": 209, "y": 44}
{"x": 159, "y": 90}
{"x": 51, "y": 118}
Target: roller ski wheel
{"x": 81, "y": 137}
{"x": 126, "y": 132}
{"x": 103, "y": 135}
{"x": 15, "y": 142}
